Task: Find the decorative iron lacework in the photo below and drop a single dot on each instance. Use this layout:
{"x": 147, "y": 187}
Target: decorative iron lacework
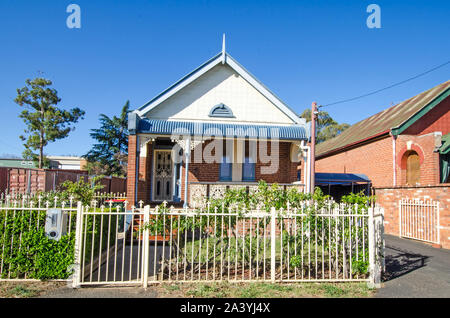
{"x": 221, "y": 110}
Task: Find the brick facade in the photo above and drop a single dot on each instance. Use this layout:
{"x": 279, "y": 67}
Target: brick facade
{"x": 373, "y": 159}
{"x": 389, "y": 198}
{"x": 206, "y": 172}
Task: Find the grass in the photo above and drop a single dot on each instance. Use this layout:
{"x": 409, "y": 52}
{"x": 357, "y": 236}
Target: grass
{"x": 265, "y": 290}
{"x": 26, "y": 289}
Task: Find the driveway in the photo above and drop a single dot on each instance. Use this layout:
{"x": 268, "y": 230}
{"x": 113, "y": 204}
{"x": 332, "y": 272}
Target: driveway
{"x": 414, "y": 269}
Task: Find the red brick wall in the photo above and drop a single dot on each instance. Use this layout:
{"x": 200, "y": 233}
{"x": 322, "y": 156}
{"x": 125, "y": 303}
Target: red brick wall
{"x": 287, "y": 170}
{"x": 373, "y": 159}
{"x": 389, "y": 198}
{"x": 438, "y": 119}
{"x": 131, "y": 173}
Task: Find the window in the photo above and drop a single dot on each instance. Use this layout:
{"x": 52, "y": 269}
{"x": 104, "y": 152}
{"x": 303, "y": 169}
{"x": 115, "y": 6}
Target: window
{"x": 248, "y": 166}
{"x": 226, "y": 169}
{"x": 248, "y": 169}
{"x": 221, "y": 110}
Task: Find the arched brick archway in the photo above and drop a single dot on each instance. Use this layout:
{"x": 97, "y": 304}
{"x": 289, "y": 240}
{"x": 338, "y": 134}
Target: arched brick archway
{"x": 410, "y": 162}
{"x": 401, "y": 158}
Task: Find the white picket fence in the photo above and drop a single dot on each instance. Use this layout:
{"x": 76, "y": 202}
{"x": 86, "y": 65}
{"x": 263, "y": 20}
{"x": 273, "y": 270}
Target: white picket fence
{"x": 419, "y": 220}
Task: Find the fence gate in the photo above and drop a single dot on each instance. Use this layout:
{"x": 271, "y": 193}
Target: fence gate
{"x": 419, "y": 220}
{"x": 109, "y": 248}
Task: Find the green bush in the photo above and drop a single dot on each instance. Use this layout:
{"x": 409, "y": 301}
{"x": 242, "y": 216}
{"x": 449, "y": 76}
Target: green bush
{"x": 26, "y": 250}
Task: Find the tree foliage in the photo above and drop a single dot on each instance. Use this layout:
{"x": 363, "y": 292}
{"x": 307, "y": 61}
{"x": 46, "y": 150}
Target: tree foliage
{"x": 109, "y": 155}
{"x": 327, "y": 127}
{"x": 45, "y": 121}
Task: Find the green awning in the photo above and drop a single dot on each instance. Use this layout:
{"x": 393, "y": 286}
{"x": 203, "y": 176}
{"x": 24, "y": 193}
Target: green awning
{"x": 445, "y": 147}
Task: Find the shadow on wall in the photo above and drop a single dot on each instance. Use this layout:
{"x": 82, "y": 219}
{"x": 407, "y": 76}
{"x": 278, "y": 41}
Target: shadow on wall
{"x": 400, "y": 262}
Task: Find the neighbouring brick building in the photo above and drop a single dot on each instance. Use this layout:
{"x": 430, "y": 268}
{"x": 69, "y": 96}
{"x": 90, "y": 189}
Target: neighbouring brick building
{"x": 221, "y": 125}
{"x": 402, "y": 150}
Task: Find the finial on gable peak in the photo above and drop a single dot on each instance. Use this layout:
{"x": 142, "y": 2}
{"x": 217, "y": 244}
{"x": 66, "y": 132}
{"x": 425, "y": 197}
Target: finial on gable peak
{"x": 223, "y": 49}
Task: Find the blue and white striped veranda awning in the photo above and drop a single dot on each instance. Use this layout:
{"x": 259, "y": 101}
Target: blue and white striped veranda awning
{"x": 182, "y": 128}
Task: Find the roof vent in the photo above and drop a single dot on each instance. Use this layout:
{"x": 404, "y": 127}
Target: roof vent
{"x": 221, "y": 110}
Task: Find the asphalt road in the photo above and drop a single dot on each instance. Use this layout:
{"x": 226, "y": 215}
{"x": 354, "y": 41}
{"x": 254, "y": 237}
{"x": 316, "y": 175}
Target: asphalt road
{"x": 414, "y": 269}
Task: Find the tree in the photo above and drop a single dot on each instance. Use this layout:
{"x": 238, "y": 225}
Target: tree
{"x": 327, "y": 127}
{"x": 109, "y": 155}
{"x": 45, "y": 122}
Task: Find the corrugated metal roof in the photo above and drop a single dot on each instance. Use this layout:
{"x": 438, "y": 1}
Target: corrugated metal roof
{"x": 165, "y": 127}
{"x": 382, "y": 122}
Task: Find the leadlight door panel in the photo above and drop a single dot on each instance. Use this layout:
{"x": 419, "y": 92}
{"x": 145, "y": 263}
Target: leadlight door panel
{"x": 163, "y": 173}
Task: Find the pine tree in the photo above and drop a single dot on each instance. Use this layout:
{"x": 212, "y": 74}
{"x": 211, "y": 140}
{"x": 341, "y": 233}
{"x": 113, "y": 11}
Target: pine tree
{"x": 45, "y": 121}
{"x": 109, "y": 155}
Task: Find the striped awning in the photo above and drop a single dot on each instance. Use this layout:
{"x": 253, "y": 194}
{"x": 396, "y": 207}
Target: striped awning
{"x": 182, "y": 128}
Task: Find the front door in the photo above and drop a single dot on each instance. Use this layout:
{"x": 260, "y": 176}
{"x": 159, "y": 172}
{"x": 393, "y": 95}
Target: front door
{"x": 163, "y": 172}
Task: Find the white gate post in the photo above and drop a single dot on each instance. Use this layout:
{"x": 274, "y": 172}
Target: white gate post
{"x": 400, "y": 218}
{"x": 146, "y": 246}
{"x": 273, "y": 225}
{"x": 438, "y": 224}
{"x": 374, "y": 266}
{"x": 76, "y": 278}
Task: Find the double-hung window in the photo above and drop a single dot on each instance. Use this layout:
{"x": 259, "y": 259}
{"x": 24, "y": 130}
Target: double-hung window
{"x": 248, "y": 166}
{"x": 226, "y": 169}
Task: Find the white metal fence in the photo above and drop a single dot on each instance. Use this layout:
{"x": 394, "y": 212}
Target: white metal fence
{"x": 106, "y": 197}
{"x": 21, "y": 222}
{"x": 419, "y": 219}
{"x": 115, "y": 245}
{"x": 142, "y": 246}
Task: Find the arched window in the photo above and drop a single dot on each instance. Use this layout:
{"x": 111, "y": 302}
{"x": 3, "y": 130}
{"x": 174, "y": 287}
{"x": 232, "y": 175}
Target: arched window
{"x": 221, "y": 110}
{"x": 412, "y": 168}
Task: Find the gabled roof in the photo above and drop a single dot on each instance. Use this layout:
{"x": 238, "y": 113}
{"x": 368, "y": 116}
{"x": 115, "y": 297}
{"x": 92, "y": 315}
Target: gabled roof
{"x": 223, "y": 58}
{"x": 395, "y": 120}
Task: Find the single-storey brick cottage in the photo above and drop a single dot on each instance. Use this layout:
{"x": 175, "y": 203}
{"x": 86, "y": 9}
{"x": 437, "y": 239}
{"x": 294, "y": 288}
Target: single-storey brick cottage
{"x": 217, "y": 127}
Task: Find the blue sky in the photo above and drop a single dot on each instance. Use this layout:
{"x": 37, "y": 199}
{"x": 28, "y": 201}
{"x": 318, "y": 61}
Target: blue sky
{"x": 304, "y": 51}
